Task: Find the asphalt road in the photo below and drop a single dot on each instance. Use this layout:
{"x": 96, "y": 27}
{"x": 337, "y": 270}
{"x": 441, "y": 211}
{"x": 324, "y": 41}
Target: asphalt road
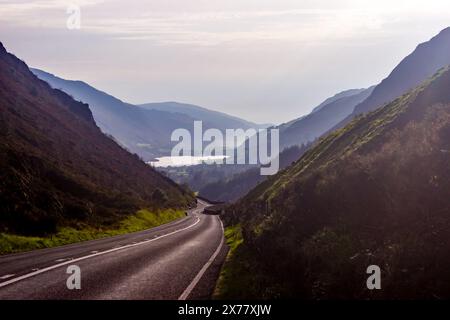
{"x": 179, "y": 260}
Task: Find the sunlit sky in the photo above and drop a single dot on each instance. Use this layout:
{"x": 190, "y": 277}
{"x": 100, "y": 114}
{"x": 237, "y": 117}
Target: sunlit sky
{"x": 263, "y": 60}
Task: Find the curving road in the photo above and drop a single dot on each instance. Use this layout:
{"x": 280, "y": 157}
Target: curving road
{"x": 179, "y": 260}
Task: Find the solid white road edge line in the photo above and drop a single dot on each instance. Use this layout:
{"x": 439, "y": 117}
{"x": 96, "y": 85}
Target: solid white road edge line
{"x": 32, "y": 274}
{"x": 200, "y": 274}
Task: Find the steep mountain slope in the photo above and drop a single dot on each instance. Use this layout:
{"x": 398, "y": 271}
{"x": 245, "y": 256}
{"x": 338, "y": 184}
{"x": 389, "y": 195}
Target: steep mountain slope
{"x": 374, "y": 192}
{"x": 322, "y": 119}
{"x": 421, "y": 64}
{"x": 215, "y": 119}
{"x": 58, "y": 168}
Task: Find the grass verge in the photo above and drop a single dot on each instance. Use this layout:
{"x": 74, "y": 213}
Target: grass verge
{"x": 224, "y": 286}
{"x": 142, "y": 220}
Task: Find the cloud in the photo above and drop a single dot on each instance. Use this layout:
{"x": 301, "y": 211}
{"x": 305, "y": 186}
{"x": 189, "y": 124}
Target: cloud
{"x": 213, "y": 28}
{"x": 31, "y": 7}
{"x": 43, "y": 13}
{"x": 184, "y": 24}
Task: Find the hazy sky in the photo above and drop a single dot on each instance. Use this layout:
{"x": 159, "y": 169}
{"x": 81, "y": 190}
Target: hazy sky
{"x": 263, "y": 60}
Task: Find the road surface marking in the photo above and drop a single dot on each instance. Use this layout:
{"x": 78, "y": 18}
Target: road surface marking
{"x": 35, "y": 273}
{"x": 6, "y": 276}
{"x": 200, "y": 274}
{"x": 95, "y": 251}
{"x": 61, "y": 260}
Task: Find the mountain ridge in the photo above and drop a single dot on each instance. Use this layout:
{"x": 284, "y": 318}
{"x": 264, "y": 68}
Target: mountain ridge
{"x": 323, "y": 117}
{"x": 146, "y": 130}
{"x": 191, "y": 110}
{"x": 59, "y": 169}
{"x": 373, "y": 192}
{"x": 340, "y": 95}
{"x": 401, "y": 78}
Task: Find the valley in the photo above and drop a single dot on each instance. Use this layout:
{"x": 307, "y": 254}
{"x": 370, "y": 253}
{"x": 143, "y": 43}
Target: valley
{"x": 356, "y": 190}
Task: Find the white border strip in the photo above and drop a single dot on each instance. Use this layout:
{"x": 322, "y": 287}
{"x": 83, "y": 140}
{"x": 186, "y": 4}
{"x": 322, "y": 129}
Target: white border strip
{"x": 200, "y": 274}
{"x": 35, "y": 273}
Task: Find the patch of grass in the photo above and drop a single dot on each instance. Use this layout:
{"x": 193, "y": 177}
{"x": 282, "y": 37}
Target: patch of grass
{"x": 142, "y": 220}
{"x": 239, "y": 277}
{"x": 145, "y": 219}
{"x": 233, "y": 236}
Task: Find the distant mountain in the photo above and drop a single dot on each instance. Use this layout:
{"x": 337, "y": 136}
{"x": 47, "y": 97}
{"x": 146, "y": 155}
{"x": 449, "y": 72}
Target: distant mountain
{"x": 343, "y": 94}
{"x": 421, "y": 64}
{"x": 340, "y": 95}
{"x": 223, "y": 183}
{"x": 372, "y": 193}
{"x": 145, "y": 130}
{"x": 237, "y": 185}
{"x": 322, "y": 118}
{"x": 216, "y": 119}
{"x": 57, "y": 168}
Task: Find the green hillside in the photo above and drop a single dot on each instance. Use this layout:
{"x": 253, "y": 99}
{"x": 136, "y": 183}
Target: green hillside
{"x": 374, "y": 192}
{"x": 58, "y": 170}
